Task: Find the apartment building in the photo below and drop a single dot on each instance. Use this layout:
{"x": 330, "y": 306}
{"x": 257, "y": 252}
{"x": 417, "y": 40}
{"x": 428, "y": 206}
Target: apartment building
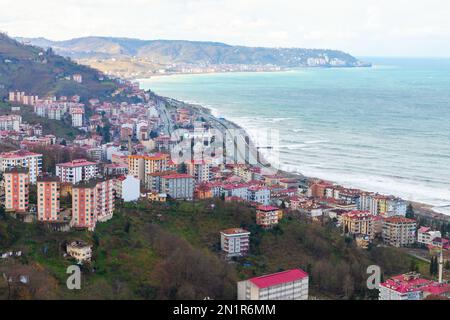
{"x": 16, "y": 184}
{"x": 178, "y": 186}
{"x": 21, "y": 158}
{"x": 426, "y": 236}
{"x": 399, "y": 231}
{"x": 259, "y": 194}
{"x": 10, "y": 122}
{"x": 77, "y": 117}
{"x": 235, "y": 242}
{"x": 76, "y": 171}
{"x": 286, "y": 285}
{"x": 268, "y": 216}
{"x": 136, "y": 166}
{"x": 105, "y": 199}
{"x": 84, "y": 206}
{"x": 48, "y": 198}
{"x": 200, "y": 170}
{"x": 142, "y": 165}
{"x": 411, "y": 286}
{"x": 359, "y": 223}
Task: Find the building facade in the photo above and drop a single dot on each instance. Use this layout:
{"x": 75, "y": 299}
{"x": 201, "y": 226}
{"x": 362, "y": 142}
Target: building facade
{"x": 358, "y": 223}
{"x": 178, "y": 186}
{"x": 48, "y": 199}
{"x": 267, "y": 216}
{"x": 17, "y": 183}
{"x": 235, "y": 242}
{"x": 76, "y": 171}
{"x": 21, "y": 158}
{"x": 286, "y": 285}
{"x": 399, "y": 231}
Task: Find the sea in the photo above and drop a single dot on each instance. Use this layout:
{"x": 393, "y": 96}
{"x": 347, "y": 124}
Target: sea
{"x": 384, "y": 129}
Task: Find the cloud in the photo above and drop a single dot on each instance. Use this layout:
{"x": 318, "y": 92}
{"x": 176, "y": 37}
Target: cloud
{"x": 362, "y": 27}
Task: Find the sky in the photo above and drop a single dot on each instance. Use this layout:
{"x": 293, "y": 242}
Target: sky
{"x": 419, "y": 28}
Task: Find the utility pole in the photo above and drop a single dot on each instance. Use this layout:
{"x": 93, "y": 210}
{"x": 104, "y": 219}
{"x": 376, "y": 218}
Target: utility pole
{"x": 441, "y": 263}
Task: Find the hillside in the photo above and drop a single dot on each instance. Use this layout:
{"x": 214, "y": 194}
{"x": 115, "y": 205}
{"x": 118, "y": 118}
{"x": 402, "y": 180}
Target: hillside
{"x": 42, "y": 72}
{"x": 171, "y": 251}
{"x": 125, "y": 56}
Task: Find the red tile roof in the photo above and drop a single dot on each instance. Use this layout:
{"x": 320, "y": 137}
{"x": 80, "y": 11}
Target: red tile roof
{"x": 278, "y": 278}
{"x": 267, "y": 208}
{"x": 177, "y": 176}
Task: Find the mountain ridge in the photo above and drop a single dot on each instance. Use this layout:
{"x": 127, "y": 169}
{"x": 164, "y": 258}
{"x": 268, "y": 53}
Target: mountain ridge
{"x": 122, "y": 56}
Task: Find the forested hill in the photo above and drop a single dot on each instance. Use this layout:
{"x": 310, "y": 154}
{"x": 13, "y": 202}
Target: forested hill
{"x": 42, "y": 72}
{"x": 195, "y": 52}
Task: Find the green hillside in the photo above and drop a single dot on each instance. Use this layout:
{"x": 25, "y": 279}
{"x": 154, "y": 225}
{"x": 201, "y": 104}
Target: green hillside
{"x": 42, "y": 72}
{"x": 172, "y": 251}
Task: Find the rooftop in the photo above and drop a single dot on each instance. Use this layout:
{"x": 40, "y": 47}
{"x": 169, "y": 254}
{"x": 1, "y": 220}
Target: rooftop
{"x": 278, "y": 278}
{"x": 234, "y": 231}
{"x": 76, "y": 163}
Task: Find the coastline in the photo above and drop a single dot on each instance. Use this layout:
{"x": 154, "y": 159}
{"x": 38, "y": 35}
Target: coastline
{"x": 421, "y": 209}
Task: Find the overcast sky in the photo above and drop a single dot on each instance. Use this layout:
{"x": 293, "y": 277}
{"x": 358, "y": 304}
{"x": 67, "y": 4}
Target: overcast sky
{"x": 361, "y": 27}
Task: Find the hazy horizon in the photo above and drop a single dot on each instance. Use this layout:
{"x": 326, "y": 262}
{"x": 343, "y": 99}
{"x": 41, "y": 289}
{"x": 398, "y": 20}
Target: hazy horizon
{"x": 362, "y": 28}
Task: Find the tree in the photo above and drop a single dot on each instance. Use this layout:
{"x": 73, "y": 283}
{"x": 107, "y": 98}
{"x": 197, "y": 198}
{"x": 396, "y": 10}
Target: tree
{"x": 410, "y": 211}
{"x": 182, "y": 168}
{"x": 413, "y": 266}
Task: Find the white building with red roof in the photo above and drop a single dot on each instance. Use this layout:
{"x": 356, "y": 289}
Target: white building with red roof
{"x": 76, "y": 171}
{"x": 285, "y": 285}
{"x": 425, "y": 235}
{"x": 411, "y": 286}
{"x": 25, "y": 159}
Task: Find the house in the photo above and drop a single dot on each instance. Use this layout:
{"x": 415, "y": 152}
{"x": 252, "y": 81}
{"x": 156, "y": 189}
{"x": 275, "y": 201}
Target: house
{"x": 156, "y": 197}
{"x": 80, "y": 251}
{"x": 285, "y": 285}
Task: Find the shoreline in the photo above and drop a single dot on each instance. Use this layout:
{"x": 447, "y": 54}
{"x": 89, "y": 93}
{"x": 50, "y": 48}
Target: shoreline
{"x": 282, "y": 70}
{"x": 424, "y": 209}
{"x": 421, "y": 209}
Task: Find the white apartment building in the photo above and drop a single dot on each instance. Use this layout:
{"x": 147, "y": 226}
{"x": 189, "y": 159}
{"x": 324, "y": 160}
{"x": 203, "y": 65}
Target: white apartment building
{"x": 25, "y": 159}
{"x": 76, "y": 171}
{"x": 286, "y": 285}
{"x": 259, "y": 194}
{"x": 77, "y": 117}
{"x": 235, "y": 242}
{"x": 426, "y": 236}
{"x": 10, "y": 122}
{"x": 105, "y": 200}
